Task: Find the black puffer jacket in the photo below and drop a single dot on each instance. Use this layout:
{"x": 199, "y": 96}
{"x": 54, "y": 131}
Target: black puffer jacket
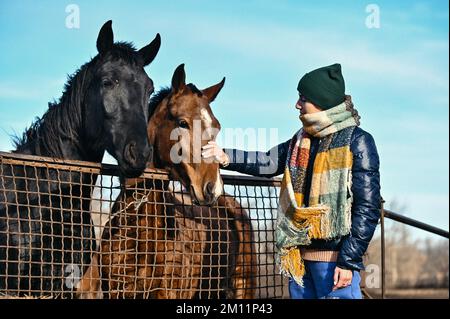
{"x": 365, "y": 188}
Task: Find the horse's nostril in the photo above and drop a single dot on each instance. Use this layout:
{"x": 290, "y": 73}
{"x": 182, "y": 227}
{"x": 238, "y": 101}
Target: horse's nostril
{"x": 130, "y": 152}
{"x": 209, "y": 192}
{"x": 209, "y": 188}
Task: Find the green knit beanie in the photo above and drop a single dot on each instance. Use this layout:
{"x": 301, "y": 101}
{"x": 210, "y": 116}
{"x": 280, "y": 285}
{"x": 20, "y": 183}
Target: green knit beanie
{"x": 324, "y": 87}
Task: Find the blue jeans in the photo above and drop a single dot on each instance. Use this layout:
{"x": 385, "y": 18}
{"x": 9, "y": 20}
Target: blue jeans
{"x": 318, "y": 283}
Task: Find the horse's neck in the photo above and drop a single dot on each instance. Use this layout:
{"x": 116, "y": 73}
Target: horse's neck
{"x": 68, "y": 149}
{"x": 82, "y": 153}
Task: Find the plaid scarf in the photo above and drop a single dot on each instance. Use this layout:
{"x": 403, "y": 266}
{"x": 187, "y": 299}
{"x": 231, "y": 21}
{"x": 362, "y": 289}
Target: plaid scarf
{"x": 328, "y": 215}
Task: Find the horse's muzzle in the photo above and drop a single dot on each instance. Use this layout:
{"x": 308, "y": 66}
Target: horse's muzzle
{"x": 135, "y": 159}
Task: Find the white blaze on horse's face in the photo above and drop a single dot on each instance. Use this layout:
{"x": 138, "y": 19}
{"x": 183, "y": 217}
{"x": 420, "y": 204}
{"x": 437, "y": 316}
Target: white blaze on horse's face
{"x": 218, "y": 186}
{"x": 212, "y": 181}
{"x": 206, "y": 118}
{"x": 209, "y": 132}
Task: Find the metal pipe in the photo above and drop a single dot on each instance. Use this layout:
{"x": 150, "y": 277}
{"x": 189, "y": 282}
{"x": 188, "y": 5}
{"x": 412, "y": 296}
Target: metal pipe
{"x": 415, "y": 223}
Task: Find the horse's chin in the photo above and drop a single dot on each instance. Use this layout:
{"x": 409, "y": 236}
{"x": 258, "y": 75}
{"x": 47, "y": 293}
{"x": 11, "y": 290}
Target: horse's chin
{"x": 131, "y": 172}
{"x": 200, "y": 200}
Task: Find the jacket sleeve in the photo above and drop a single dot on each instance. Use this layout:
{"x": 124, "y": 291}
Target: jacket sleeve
{"x": 366, "y": 202}
{"x": 265, "y": 164}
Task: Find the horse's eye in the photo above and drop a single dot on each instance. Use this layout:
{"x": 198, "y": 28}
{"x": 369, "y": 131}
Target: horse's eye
{"x": 183, "y": 124}
{"x": 107, "y": 83}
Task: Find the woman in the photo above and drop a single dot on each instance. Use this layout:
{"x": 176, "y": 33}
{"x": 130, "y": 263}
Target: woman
{"x": 330, "y": 195}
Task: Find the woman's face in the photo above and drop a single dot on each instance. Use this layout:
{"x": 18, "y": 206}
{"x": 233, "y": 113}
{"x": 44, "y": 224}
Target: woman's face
{"x": 305, "y": 106}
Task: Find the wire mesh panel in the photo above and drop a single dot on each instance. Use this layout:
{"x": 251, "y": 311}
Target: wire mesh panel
{"x": 72, "y": 230}
{"x": 258, "y": 197}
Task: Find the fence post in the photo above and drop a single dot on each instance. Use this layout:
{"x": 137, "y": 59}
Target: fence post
{"x": 383, "y": 253}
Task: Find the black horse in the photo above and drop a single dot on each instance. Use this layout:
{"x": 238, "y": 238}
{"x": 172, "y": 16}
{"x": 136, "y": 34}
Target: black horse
{"x": 46, "y": 232}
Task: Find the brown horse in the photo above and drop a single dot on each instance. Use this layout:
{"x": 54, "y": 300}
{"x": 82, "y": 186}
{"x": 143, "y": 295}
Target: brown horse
{"x": 161, "y": 245}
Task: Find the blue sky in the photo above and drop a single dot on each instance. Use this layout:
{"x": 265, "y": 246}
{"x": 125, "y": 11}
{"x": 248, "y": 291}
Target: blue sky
{"x": 397, "y": 74}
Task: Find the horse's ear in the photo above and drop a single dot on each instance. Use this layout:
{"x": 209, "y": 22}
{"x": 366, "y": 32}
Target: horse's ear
{"x": 178, "y": 79}
{"x": 105, "y": 39}
{"x": 149, "y": 52}
{"x": 212, "y": 92}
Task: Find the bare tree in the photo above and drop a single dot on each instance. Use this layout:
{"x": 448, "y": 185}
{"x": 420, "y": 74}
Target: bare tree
{"x": 410, "y": 262}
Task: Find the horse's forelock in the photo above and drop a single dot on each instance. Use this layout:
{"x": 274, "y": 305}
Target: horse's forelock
{"x": 194, "y": 89}
{"x": 125, "y": 51}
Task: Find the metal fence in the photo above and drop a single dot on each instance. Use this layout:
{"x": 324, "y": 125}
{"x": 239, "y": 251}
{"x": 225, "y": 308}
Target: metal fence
{"x": 70, "y": 229}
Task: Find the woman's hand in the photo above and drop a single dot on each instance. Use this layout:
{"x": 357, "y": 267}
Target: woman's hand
{"x": 212, "y": 150}
{"x": 342, "y": 278}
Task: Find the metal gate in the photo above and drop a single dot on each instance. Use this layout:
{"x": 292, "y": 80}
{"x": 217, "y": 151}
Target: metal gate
{"x": 71, "y": 229}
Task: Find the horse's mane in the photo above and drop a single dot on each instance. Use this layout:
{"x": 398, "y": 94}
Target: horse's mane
{"x": 156, "y": 99}
{"x": 64, "y": 117}
{"x": 159, "y": 96}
